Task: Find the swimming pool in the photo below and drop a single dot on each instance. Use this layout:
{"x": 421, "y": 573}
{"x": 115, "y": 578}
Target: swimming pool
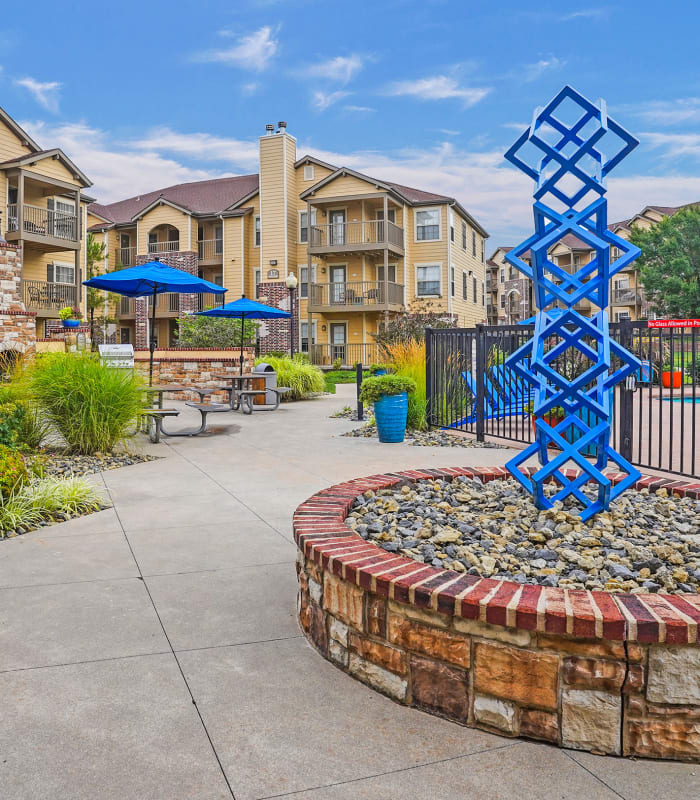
{"x": 682, "y": 399}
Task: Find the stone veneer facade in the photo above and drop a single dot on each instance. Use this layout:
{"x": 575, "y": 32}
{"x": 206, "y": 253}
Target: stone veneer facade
{"x": 617, "y": 674}
{"x": 17, "y": 325}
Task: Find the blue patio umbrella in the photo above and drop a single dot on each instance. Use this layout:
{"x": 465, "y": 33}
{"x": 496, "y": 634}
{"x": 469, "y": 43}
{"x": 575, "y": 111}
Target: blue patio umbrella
{"x": 244, "y": 309}
{"x": 152, "y": 279}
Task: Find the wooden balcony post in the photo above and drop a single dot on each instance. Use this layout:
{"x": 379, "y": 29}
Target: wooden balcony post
{"x": 20, "y": 204}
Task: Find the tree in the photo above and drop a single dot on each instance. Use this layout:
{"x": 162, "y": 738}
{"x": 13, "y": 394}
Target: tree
{"x": 221, "y": 332}
{"x": 410, "y": 325}
{"x": 670, "y": 264}
{"x": 96, "y": 298}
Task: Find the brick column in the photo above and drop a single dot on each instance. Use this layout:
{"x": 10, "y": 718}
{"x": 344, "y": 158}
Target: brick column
{"x": 278, "y": 330}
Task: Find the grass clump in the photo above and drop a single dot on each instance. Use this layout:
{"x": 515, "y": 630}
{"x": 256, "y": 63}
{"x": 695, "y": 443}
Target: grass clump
{"x": 408, "y": 360}
{"x": 93, "y": 407}
{"x": 29, "y": 504}
{"x": 297, "y": 374}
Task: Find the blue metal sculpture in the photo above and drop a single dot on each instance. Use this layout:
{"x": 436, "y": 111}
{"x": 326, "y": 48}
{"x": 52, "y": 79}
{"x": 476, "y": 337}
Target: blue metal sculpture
{"x": 562, "y": 152}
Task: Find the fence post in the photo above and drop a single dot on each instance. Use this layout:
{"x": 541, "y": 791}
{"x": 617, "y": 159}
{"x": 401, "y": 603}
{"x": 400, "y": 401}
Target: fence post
{"x": 626, "y": 397}
{"x": 480, "y": 378}
{"x": 429, "y": 376}
{"x": 358, "y": 379}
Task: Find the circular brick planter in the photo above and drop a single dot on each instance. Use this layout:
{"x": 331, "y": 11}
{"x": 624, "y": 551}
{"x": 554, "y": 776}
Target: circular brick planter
{"x": 610, "y": 673}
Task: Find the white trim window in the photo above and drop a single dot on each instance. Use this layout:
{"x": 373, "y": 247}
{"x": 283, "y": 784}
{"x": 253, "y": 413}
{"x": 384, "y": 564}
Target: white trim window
{"x": 303, "y": 226}
{"x": 464, "y": 236}
{"x": 304, "y": 279}
{"x": 428, "y": 224}
{"x": 305, "y": 335}
{"x": 61, "y": 272}
{"x": 308, "y": 172}
{"x": 428, "y": 280}
{"x": 258, "y": 230}
{"x": 257, "y": 279}
{"x": 452, "y": 225}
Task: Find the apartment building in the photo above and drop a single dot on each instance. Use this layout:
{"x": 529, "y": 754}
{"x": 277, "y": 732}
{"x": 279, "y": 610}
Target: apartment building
{"x": 44, "y": 212}
{"x": 509, "y": 293}
{"x": 363, "y": 249}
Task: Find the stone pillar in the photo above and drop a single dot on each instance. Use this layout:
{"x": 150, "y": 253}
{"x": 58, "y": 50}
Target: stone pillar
{"x": 17, "y": 325}
{"x": 277, "y": 330}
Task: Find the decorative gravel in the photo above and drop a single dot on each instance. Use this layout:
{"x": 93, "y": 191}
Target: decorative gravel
{"x": 645, "y": 542}
{"x": 345, "y": 413}
{"x": 425, "y": 438}
{"x": 59, "y": 463}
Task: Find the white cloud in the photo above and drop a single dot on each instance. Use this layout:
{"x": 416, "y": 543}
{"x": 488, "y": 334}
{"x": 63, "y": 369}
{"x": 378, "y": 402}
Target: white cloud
{"x": 254, "y": 51}
{"x": 674, "y": 144}
{"x": 341, "y": 69}
{"x": 200, "y": 146}
{"x": 448, "y": 131}
{"x": 46, "y": 94}
{"x": 534, "y": 71}
{"x": 250, "y": 88}
{"x": 438, "y": 87}
{"x": 668, "y": 112}
{"x": 586, "y": 13}
{"x": 324, "y": 100}
{"x": 360, "y": 109}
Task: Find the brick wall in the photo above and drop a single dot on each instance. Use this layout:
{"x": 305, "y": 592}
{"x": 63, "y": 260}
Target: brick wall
{"x": 17, "y": 325}
{"x": 610, "y": 673}
{"x": 278, "y": 331}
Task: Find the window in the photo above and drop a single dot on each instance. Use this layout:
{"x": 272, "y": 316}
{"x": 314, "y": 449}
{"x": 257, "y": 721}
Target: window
{"x": 474, "y": 290}
{"x": 305, "y": 336}
{"x": 428, "y": 225}
{"x": 464, "y": 235}
{"x": 513, "y": 274}
{"x": 464, "y": 286}
{"x": 308, "y": 172}
{"x": 503, "y": 301}
{"x": 57, "y": 272}
{"x": 452, "y": 281}
{"x": 483, "y": 251}
{"x": 577, "y": 261}
{"x": 503, "y": 275}
{"x": 483, "y": 294}
{"x": 392, "y": 273}
{"x": 257, "y": 231}
{"x": 218, "y": 240}
{"x": 452, "y": 226}
{"x": 125, "y": 336}
{"x": 474, "y": 243}
{"x": 304, "y": 280}
{"x": 303, "y": 224}
{"x": 257, "y": 278}
{"x": 428, "y": 280}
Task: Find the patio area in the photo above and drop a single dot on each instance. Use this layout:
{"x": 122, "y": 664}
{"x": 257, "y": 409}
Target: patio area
{"x": 152, "y": 650}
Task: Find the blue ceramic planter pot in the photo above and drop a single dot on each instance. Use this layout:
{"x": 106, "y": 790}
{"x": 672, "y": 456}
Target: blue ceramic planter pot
{"x": 379, "y": 372}
{"x": 71, "y": 323}
{"x": 390, "y": 413}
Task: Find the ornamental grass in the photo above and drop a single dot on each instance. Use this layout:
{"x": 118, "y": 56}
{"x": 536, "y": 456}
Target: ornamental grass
{"x": 408, "y": 360}
{"x": 297, "y": 374}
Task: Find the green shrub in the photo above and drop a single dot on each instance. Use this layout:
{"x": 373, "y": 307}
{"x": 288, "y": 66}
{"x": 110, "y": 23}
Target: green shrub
{"x": 93, "y": 407}
{"x": 30, "y": 503}
{"x": 221, "y": 332}
{"x": 301, "y": 377}
{"x": 13, "y": 470}
{"x": 11, "y": 415}
{"x": 383, "y": 385}
{"x": 375, "y": 368}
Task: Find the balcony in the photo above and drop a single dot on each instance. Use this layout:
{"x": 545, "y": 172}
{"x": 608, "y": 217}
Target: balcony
{"x": 58, "y": 229}
{"x": 167, "y": 304}
{"x": 125, "y": 256}
{"x": 626, "y": 297}
{"x": 356, "y": 237}
{"x": 164, "y": 247}
{"x": 210, "y": 250}
{"x": 323, "y": 355}
{"x": 44, "y": 296}
{"x": 355, "y": 296}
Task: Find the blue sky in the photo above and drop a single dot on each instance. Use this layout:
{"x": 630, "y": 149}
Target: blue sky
{"x": 431, "y": 93}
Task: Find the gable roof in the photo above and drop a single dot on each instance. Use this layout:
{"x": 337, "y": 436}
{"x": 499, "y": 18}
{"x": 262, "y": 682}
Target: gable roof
{"x": 200, "y": 198}
{"x": 40, "y": 155}
{"x": 19, "y": 132}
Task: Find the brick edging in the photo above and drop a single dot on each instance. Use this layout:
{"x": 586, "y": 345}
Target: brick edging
{"x": 322, "y": 535}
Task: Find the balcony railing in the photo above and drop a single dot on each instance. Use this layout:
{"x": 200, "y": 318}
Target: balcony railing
{"x": 357, "y": 294}
{"x": 169, "y": 303}
{"x": 164, "y": 247}
{"x": 323, "y": 355}
{"x": 367, "y": 232}
{"x": 126, "y": 256}
{"x": 43, "y": 222}
{"x": 44, "y": 295}
{"x": 206, "y": 301}
{"x": 626, "y": 297}
{"x": 210, "y": 248}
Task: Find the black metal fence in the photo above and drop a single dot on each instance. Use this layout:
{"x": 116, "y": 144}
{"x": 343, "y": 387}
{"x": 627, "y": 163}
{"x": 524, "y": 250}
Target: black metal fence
{"x": 656, "y": 423}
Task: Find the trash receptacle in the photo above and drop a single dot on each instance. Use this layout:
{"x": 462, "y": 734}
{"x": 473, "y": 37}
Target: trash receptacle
{"x": 268, "y": 374}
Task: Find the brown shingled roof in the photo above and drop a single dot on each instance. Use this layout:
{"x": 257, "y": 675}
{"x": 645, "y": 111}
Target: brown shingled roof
{"x": 200, "y": 197}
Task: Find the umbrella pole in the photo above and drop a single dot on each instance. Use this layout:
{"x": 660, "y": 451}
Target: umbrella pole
{"x": 242, "y": 340}
{"x": 152, "y": 343}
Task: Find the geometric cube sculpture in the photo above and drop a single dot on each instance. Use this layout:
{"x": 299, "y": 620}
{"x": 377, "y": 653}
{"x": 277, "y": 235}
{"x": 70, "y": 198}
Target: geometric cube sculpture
{"x": 568, "y": 150}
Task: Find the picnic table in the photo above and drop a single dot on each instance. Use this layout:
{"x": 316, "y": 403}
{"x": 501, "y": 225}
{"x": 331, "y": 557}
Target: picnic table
{"x": 243, "y": 396}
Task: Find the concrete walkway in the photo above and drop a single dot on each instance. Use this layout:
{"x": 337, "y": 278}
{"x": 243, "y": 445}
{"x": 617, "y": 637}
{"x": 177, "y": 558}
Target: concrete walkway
{"x": 152, "y": 650}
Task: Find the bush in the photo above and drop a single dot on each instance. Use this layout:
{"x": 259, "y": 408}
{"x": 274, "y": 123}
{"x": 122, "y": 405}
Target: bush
{"x": 11, "y": 416}
{"x": 410, "y": 326}
{"x": 375, "y": 368}
{"x": 221, "y": 332}
{"x": 90, "y": 405}
{"x": 408, "y": 359}
{"x": 384, "y": 385}
{"x": 301, "y": 377}
{"x": 29, "y": 504}
{"x": 13, "y": 471}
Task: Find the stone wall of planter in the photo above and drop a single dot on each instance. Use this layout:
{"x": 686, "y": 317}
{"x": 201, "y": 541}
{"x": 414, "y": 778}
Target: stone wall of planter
{"x": 609, "y": 673}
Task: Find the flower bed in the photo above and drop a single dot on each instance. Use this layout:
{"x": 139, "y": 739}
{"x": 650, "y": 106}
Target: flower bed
{"x": 591, "y": 670}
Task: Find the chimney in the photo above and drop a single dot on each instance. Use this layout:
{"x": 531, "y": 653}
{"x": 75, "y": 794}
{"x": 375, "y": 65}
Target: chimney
{"x": 270, "y": 129}
{"x": 281, "y": 127}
